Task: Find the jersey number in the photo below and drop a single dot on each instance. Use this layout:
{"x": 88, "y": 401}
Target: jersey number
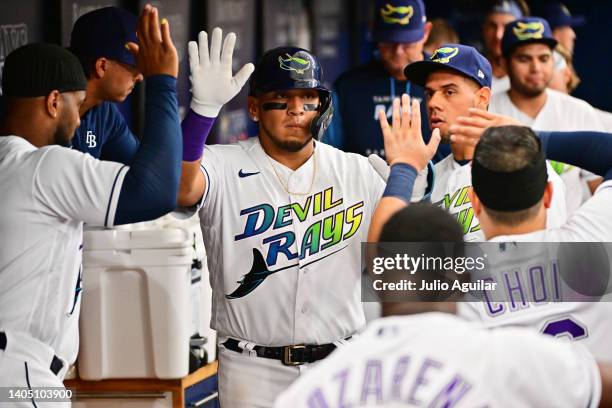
{"x": 566, "y": 327}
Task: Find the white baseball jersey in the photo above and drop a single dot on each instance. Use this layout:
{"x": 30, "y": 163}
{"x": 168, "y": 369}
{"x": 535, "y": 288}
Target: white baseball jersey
{"x": 47, "y": 194}
{"x": 590, "y": 323}
{"x": 453, "y": 181}
{"x": 561, "y": 112}
{"x": 285, "y": 268}
{"x": 440, "y": 360}
{"x": 606, "y": 119}
{"x": 500, "y": 84}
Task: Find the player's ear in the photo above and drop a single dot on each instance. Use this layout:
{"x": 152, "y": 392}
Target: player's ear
{"x": 427, "y": 31}
{"x": 253, "y": 107}
{"x": 52, "y": 103}
{"x": 548, "y": 195}
{"x": 483, "y": 96}
{"x": 475, "y": 202}
{"x": 100, "y": 67}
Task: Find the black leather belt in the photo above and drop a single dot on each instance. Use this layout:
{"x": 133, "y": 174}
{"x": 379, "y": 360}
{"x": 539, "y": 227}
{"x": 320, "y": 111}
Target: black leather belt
{"x": 288, "y": 355}
{"x": 56, "y": 363}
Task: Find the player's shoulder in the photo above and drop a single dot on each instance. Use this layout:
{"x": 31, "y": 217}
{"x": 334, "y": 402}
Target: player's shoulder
{"x": 499, "y": 98}
{"x": 15, "y": 152}
{"x": 28, "y": 155}
{"x": 12, "y": 143}
{"x": 100, "y": 117}
{"x": 233, "y": 155}
{"x": 569, "y": 102}
{"x": 446, "y": 164}
{"x": 334, "y": 155}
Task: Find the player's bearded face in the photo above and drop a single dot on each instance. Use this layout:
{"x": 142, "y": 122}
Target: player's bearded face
{"x": 68, "y": 118}
{"x": 530, "y": 68}
{"x": 449, "y": 96}
{"x": 285, "y": 117}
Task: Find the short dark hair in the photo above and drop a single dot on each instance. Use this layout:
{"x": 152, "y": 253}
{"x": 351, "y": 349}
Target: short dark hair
{"x": 421, "y": 222}
{"x": 507, "y": 149}
{"x": 88, "y": 64}
{"x": 429, "y": 226}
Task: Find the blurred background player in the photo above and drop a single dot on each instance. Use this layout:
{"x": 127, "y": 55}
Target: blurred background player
{"x": 427, "y": 359}
{"x": 497, "y": 15}
{"x": 562, "y": 22}
{"x": 400, "y": 32}
{"x": 528, "y": 48}
{"x": 566, "y": 80}
{"x": 442, "y": 32}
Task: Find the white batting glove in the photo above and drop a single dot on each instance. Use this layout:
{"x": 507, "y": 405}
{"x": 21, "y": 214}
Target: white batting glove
{"x": 212, "y": 83}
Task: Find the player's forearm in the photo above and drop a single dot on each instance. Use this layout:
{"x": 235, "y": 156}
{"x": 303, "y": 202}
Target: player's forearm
{"x": 196, "y": 129}
{"x": 192, "y": 184}
{"x": 387, "y": 206}
{"x": 591, "y": 151}
{"x": 150, "y": 186}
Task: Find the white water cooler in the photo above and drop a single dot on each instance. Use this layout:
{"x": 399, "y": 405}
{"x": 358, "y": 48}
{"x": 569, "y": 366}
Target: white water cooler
{"x": 136, "y": 314}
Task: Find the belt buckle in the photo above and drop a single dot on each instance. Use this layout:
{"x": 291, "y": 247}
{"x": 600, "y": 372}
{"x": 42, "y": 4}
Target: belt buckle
{"x": 287, "y": 350}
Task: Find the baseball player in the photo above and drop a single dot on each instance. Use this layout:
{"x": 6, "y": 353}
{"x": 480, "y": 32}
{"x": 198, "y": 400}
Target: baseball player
{"x": 429, "y": 359}
{"x": 527, "y": 48}
{"x": 591, "y": 223}
{"x": 457, "y": 78}
{"x": 99, "y": 40}
{"x": 50, "y": 191}
{"x": 517, "y": 222}
{"x": 497, "y": 15}
{"x": 283, "y": 216}
{"x": 562, "y": 22}
{"x": 400, "y": 31}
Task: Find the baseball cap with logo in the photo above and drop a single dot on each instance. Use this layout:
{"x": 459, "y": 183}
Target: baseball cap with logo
{"x": 558, "y": 15}
{"x": 103, "y": 33}
{"x": 527, "y": 30}
{"x": 399, "y": 21}
{"x": 455, "y": 57}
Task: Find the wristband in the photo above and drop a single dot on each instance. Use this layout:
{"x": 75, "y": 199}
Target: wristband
{"x": 401, "y": 182}
{"x": 196, "y": 129}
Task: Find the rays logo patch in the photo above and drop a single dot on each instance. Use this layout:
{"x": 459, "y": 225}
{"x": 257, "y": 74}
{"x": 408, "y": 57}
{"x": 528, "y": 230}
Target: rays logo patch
{"x": 443, "y": 55}
{"x": 528, "y": 31}
{"x": 296, "y": 64}
{"x": 396, "y": 15}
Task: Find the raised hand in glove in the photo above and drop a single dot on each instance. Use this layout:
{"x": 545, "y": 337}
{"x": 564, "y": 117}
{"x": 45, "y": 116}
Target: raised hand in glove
{"x": 212, "y": 83}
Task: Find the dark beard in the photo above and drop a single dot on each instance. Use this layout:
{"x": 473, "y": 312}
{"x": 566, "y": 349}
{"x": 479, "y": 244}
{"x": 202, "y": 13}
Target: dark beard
{"x": 525, "y": 90}
{"x": 62, "y": 136}
{"x": 287, "y": 146}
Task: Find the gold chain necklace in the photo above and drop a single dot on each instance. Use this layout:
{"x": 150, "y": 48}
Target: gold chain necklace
{"x": 286, "y": 185}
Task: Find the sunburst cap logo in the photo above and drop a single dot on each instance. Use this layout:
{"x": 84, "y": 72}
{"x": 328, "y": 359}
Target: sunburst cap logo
{"x": 528, "y": 31}
{"x": 296, "y": 64}
{"x": 443, "y": 55}
{"x": 396, "y": 15}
